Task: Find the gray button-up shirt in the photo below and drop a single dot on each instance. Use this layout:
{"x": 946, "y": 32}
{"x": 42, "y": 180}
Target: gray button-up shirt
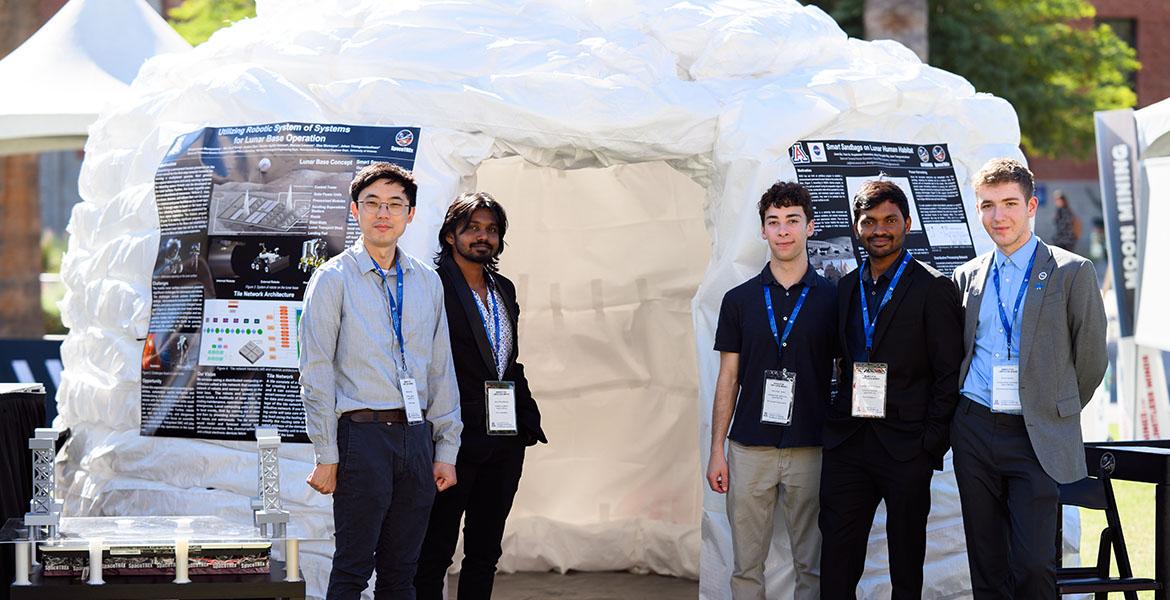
{"x": 350, "y": 357}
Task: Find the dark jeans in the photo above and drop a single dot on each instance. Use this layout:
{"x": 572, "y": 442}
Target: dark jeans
{"x": 1009, "y": 506}
{"x": 487, "y": 482}
{"x": 385, "y": 488}
{"x": 855, "y": 477}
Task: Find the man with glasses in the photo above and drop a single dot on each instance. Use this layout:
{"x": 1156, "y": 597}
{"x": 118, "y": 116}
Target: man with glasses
{"x": 378, "y": 385}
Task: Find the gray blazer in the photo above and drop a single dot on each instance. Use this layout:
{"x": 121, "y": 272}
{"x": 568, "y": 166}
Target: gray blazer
{"x": 1062, "y": 350}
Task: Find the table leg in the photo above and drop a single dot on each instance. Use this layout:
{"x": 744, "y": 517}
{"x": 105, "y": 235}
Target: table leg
{"x": 1161, "y": 540}
{"x": 22, "y": 551}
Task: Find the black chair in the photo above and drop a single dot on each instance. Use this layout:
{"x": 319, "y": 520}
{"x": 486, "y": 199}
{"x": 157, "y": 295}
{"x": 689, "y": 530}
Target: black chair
{"x": 1096, "y": 493}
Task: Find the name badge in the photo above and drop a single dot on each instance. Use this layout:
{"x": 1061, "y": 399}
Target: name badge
{"x": 1005, "y": 388}
{"x": 869, "y": 390}
{"x": 779, "y": 393}
{"x": 409, "y": 389}
{"x": 501, "y": 407}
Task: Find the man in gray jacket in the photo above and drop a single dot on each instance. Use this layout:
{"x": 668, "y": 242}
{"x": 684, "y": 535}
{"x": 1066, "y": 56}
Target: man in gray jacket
{"x": 1034, "y": 339}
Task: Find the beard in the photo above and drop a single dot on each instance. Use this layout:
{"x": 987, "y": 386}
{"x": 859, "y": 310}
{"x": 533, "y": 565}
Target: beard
{"x": 893, "y": 247}
{"x": 477, "y": 254}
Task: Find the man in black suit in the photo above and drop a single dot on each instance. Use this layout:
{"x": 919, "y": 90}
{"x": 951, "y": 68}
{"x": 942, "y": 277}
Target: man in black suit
{"x": 900, "y": 331}
{"x": 500, "y": 417}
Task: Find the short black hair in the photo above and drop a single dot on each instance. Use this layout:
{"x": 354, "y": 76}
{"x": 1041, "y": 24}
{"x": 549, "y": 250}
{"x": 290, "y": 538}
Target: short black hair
{"x": 459, "y": 216}
{"x": 783, "y": 194}
{"x": 383, "y": 170}
{"x": 877, "y": 191}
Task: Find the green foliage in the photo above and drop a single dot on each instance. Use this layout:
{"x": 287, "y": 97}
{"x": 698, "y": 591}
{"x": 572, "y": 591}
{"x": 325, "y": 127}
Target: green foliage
{"x": 1043, "y": 56}
{"x": 196, "y": 20}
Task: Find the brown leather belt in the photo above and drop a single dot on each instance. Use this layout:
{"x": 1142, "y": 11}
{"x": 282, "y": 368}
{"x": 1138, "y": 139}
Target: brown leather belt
{"x": 367, "y": 415}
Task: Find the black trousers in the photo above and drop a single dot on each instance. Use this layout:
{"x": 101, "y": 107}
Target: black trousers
{"x": 486, "y": 485}
{"x": 1010, "y": 506}
{"x": 855, "y": 477}
{"x": 385, "y": 486}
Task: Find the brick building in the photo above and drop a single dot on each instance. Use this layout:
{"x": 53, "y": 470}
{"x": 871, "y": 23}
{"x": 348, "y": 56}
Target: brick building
{"x": 1142, "y": 24}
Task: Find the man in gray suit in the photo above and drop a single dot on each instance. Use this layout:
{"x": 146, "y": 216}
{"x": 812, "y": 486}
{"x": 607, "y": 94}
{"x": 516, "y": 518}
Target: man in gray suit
{"x": 1034, "y": 339}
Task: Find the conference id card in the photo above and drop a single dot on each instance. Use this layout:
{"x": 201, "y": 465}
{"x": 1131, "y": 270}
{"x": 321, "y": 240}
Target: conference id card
{"x": 779, "y": 395}
{"x": 414, "y": 414}
{"x": 501, "y": 407}
{"x": 869, "y": 390}
{"x": 1005, "y": 388}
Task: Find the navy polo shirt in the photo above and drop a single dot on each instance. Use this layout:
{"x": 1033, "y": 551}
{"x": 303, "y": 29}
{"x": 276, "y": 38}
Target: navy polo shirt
{"x": 743, "y": 329}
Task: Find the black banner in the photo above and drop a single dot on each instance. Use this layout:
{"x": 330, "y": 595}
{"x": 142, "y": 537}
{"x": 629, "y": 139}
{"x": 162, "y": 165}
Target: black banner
{"x": 247, "y": 214}
{"x": 1117, "y": 166}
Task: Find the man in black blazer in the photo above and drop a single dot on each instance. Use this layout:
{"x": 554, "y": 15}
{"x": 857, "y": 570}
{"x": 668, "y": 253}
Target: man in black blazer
{"x": 500, "y": 417}
{"x": 900, "y": 333}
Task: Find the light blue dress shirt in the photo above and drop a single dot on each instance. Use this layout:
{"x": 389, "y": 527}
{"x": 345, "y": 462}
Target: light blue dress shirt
{"x": 990, "y": 340}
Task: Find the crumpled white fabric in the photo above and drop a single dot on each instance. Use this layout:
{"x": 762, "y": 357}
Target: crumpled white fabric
{"x": 717, "y": 90}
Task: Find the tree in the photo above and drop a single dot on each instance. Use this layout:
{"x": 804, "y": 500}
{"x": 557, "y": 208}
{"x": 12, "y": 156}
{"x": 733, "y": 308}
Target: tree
{"x": 196, "y": 20}
{"x": 1046, "y": 58}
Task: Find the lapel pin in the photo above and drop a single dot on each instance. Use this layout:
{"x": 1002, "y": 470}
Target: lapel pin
{"x": 1043, "y": 275}
{"x": 1039, "y": 286}
{"x": 975, "y": 292}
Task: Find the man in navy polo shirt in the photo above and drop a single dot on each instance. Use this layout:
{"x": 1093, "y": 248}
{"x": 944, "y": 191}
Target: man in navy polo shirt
{"x": 776, "y": 347}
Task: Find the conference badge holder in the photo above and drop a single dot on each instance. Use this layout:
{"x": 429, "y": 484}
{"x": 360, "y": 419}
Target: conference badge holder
{"x": 501, "y": 407}
{"x": 1005, "y": 388}
{"x": 869, "y": 390}
{"x": 414, "y": 414}
{"x": 779, "y": 392}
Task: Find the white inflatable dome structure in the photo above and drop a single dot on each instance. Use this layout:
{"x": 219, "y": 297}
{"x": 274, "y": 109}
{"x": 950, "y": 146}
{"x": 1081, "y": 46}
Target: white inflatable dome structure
{"x": 630, "y": 142}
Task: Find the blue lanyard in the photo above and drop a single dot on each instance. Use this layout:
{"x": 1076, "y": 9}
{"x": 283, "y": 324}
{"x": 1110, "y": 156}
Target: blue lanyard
{"x": 496, "y": 318}
{"x": 1007, "y": 325}
{"x": 782, "y": 341}
{"x": 395, "y": 310}
{"x": 871, "y": 325}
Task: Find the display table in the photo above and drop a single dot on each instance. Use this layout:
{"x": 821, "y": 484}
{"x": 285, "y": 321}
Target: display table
{"x": 1147, "y": 461}
{"x": 152, "y": 557}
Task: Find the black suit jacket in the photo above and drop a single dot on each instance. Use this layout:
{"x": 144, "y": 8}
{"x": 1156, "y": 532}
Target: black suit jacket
{"x": 472, "y": 355}
{"x": 919, "y": 335}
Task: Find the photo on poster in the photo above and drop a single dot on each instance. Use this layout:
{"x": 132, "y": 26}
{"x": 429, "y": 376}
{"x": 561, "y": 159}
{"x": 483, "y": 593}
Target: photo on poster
{"x": 178, "y": 256}
{"x": 170, "y": 351}
{"x": 832, "y": 257}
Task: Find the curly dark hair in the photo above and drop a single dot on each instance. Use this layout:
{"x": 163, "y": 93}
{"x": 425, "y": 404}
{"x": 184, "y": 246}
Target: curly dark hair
{"x": 783, "y": 194}
{"x": 383, "y": 170}
{"x": 459, "y": 216}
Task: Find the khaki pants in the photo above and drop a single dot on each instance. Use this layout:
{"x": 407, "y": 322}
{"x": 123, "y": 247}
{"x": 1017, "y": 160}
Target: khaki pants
{"x": 760, "y": 476}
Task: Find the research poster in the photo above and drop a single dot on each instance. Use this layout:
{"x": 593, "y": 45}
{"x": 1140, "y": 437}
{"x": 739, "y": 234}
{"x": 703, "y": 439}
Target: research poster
{"x": 247, "y": 213}
{"x": 833, "y": 171}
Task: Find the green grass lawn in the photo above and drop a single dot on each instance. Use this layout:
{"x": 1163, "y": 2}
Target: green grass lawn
{"x": 1135, "y": 504}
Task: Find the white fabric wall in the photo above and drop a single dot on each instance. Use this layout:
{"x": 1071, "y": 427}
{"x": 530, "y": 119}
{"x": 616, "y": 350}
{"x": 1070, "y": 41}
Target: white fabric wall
{"x": 716, "y": 90}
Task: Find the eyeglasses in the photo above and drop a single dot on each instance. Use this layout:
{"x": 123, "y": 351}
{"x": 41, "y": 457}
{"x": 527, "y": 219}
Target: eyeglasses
{"x": 394, "y": 208}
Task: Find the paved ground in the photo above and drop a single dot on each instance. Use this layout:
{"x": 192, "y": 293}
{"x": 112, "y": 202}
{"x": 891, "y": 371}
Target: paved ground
{"x": 589, "y": 586}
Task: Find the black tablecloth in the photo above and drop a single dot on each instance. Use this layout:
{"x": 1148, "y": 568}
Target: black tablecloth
{"x": 20, "y": 415}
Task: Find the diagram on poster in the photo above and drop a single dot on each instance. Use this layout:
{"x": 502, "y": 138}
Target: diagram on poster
{"x": 251, "y": 333}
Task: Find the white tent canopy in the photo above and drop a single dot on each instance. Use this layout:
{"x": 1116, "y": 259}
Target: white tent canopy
{"x": 715, "y": 90}
{"x": 1153, "y": 126}
{"x": 57, "y": 82}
